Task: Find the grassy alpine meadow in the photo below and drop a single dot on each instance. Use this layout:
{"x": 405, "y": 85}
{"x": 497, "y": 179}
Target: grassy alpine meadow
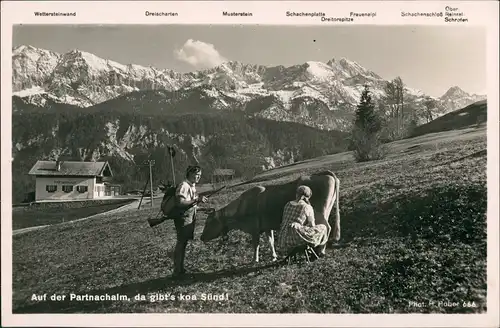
{"x": 413, "y": 241}
{"x": 40, "y": 214}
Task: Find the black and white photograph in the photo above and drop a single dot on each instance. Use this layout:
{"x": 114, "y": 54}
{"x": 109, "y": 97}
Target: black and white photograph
{"x": 249, "y": 169}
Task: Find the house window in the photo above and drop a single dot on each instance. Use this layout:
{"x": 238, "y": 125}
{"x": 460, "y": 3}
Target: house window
{"x": 51, "y": 188}
{"x": 82, "y": 189}
{"x": 67, "y": 189}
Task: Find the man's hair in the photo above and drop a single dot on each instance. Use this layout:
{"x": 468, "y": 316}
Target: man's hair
{"x": 192, "y": 169}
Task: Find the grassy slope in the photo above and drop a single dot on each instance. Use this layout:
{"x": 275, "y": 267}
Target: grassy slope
{"x": 50, "y": 213}
{"x": 413, "y": 229}
{"x": 473, "y": 115}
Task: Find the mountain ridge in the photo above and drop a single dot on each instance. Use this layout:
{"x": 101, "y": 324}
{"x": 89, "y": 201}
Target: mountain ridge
{"x": 321, "y": 95}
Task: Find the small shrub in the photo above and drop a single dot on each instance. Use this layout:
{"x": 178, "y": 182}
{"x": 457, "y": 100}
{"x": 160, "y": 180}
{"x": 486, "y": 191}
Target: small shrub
{"x": 367, "y": 147}
{"x": 365, "y": 140}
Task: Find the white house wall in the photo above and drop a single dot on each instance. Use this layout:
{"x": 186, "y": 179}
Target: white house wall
{"x": 100, "y": 191}
{"x": 42, "y": 193}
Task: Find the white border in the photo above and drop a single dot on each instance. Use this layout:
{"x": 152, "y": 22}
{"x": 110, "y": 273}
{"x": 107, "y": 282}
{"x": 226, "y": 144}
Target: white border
{"x": 479, "y": 13}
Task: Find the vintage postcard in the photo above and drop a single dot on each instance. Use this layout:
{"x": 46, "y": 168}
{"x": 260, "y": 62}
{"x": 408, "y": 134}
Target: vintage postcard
{"x": 267, "y": 163}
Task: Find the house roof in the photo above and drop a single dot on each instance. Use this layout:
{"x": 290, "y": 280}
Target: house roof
{"x": 48, "y": 168}
{"x": 223, "y": 172}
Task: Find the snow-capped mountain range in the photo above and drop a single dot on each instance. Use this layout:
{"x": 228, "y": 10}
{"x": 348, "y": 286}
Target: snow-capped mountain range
{"x": 322, "y": 95}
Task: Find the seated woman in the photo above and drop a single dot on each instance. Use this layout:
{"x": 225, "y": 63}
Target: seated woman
{"x": 298, "y": 226}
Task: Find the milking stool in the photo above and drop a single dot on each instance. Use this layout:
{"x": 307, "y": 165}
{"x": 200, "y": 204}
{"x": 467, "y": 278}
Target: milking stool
{"x": 305, "y": 249}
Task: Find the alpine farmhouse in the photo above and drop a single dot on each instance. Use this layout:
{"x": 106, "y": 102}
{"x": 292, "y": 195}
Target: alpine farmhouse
{"x": 65, "y": 181}
{"x": 222, "y": 175}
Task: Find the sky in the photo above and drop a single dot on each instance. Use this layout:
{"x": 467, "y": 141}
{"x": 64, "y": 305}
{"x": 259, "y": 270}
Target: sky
{"x": 429, "y": 58}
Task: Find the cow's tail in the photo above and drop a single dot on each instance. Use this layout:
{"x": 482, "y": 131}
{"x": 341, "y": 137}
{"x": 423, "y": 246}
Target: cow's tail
{"x": 336, "y": 225}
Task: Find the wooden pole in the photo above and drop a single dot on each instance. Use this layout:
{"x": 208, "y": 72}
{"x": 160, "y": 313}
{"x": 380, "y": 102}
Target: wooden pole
{"x": 151, "y": 180}
{"x": 172, "y": 166}
{"x": 143, "y": 192}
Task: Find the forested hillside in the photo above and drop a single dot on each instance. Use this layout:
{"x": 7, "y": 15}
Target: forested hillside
{"x": 126, "y": 140}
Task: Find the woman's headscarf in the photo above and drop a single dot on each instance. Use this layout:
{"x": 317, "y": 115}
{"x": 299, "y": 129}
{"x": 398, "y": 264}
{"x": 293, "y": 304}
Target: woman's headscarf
{"x": 303, "y": 192}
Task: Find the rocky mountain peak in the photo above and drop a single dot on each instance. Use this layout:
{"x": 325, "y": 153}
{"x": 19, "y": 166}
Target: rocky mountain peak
{"x": 20, "y": 49}
{"x": 455, "y": 91}
{"x": 32, "y": 67}
{"x": 31, "y": 53}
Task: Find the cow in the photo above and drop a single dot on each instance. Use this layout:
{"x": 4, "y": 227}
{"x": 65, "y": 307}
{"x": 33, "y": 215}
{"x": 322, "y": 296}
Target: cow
{"x": 259, "y": 210}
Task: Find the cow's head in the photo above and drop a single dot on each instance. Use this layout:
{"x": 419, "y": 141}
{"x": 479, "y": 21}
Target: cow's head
{"x": 215, "y": 226}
